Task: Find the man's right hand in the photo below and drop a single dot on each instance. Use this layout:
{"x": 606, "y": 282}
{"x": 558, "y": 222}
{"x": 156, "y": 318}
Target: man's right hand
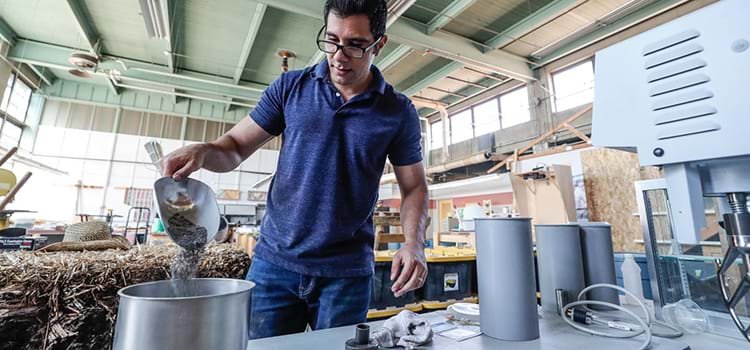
{"x": 184, "y": 161}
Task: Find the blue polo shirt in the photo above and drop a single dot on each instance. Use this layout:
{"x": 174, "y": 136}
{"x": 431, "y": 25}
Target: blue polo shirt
{"x": 320, "y": 204}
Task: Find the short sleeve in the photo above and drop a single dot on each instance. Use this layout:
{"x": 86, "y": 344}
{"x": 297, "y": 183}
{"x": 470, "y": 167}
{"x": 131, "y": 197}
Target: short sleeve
{"x": 406, "y": 148}
{"x": 269, "y": 112}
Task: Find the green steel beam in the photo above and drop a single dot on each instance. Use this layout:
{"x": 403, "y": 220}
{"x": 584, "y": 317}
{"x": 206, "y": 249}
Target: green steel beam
{"x": 175, "y": 36}
{"x": 174, "y": 26}
{"x": 252, "y": 33}
{"x": 85, "y": 25}
{"x": 54, "y": 56}
{"x": 441, "y": 44}
{"x": 608, "y": 29}
{"x": 143, "y": 101}
{"x": 453, "y": 10}
{"x": 7, "y": 33}
{"x": 393, "y": 57}
{"x": 434, "y": 77}
{"x": 531, "y": 22}
{"x": 461, "y": 50}
{"x": 44, "y": 74}
{"x": 396, "y": 9}
{"x": 88, "y": 30}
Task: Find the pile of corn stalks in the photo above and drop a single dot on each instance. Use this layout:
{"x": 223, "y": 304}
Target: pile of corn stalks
{"x": 68, "y": 300}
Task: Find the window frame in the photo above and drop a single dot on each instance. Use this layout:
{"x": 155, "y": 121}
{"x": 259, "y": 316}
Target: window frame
{"x": 470, "y": 109}
{"x": 499, "y": 105}
{"x": 432, "y": 135}
{"x": 9, "y": 118}
{"x": 564, "y": 69}
{"x": 499, "y": 112}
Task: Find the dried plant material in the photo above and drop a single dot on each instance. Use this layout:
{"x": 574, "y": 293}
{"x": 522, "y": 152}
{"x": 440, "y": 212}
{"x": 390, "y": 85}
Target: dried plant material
{"x": 68, "y": 300}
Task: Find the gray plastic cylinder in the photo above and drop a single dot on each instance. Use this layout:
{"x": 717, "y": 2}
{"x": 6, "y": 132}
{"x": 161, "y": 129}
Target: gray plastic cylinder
{"x": 599, "y": 262}
{"x": 505, "y": 271}
{"x": 560, "y": 262}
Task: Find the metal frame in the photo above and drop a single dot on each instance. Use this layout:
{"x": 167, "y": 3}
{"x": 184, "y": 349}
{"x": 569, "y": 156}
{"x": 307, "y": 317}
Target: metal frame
{"x": 641, "y": 187}
{"x": 719, "y": 323}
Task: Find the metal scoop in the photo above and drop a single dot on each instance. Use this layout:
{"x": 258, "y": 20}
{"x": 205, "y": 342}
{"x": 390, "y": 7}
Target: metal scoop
{"x": 178, "y": 196}
{"x": 185, "y": 207}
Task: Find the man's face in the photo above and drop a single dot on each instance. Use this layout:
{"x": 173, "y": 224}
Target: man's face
{"x": 350, "y": 31}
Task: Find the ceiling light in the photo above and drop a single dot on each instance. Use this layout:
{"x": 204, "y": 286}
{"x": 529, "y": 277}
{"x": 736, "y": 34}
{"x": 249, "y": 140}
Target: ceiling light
{"x": 156, "y": 16}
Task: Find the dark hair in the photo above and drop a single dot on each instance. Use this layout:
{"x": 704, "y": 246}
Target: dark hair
{"x": 376, "y": 11}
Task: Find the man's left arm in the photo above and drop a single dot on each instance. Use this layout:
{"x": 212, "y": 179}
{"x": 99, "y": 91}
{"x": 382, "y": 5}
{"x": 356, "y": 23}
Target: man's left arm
{"x": 409, "y": 267}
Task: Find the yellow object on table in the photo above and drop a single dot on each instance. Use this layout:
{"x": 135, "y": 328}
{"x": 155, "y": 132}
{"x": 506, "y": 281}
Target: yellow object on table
{"x": 440, "y": 254}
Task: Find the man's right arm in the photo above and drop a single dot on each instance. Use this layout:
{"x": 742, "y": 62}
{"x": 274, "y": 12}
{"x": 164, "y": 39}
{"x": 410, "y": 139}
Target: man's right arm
{"x": 223, "y": 155}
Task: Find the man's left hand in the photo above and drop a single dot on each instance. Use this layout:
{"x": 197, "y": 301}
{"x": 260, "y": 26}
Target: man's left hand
{"x": 409, "y": 269}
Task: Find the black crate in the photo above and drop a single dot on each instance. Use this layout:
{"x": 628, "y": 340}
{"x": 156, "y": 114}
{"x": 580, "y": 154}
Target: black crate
{"x": 449, "y": 280}
{"x": 381, "y": 295}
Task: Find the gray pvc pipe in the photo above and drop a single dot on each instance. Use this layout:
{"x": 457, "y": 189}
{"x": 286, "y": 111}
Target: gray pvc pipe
{"x": 505, "y": 271}
{"x": 599, "y": 262}
{"x": 560, "y": 262}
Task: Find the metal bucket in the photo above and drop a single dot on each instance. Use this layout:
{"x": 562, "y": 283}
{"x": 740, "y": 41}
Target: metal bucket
{"x": 149, "y": 317}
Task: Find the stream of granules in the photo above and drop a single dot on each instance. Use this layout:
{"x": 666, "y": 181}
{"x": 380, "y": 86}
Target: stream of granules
{"x": 192, "y": 240}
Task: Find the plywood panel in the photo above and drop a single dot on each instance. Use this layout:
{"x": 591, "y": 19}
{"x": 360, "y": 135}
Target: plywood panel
{"x": 548, "y": 200}
{"x": 609, "y": 177}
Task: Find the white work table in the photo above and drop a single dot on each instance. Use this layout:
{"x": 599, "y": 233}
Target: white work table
{"x": 554, "y": 335}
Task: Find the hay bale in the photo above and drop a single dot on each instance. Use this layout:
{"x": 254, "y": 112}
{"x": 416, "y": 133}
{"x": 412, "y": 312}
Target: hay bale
{"x": 68, "y": 300}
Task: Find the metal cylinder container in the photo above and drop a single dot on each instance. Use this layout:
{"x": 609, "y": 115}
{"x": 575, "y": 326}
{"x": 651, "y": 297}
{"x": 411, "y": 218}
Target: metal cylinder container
{"x": 560, "y": 262}
{"x": 505, "y": 271}
{"x": 598, "y": 262}
{"x": 149, "y": 317}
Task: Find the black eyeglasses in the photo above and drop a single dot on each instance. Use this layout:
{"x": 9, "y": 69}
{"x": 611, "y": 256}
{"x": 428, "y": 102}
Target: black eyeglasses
{"x": 331, "y": 47}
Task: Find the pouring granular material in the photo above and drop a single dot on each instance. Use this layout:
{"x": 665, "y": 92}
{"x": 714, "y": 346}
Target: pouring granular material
{"x": 191, "y": 239}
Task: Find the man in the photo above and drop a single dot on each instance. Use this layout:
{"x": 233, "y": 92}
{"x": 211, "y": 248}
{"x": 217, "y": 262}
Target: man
{"x": 340, "y": 120}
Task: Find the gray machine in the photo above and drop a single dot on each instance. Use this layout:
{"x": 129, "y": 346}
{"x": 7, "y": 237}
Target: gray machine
{"x": 677, "y": 95}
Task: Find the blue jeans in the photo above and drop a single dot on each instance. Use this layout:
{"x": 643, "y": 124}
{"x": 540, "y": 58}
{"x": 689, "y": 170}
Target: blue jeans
{"x": 285, "y": 302}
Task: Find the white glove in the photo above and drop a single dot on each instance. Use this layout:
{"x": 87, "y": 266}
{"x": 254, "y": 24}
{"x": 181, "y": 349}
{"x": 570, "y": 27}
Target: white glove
{"x": 406, "y": 329}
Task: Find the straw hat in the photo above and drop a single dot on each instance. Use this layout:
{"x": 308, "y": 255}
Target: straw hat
{"x": 87, "y": 231}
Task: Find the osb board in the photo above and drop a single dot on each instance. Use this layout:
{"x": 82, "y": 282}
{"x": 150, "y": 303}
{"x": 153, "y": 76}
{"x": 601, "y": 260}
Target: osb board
{"x": 609, "y": 177}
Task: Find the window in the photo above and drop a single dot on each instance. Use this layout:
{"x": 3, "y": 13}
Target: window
{"x": 436, "y": 137}
{"x": 461, "y": 128}
{"x": 486, "y": 117}
{"x": 11, "y": 134}
{"x": 574, "y": 86}
{"x": 8, "y": 90}
{"x": 514, "y": 107}
{"x": 16, "y": 98}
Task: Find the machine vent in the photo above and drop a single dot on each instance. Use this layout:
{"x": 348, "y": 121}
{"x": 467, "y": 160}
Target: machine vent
{"x": 678, "y": 83}
{"x": 685, "y": 129}
{"x": 681, "y": 100}
{"x": 675, "y": 115}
